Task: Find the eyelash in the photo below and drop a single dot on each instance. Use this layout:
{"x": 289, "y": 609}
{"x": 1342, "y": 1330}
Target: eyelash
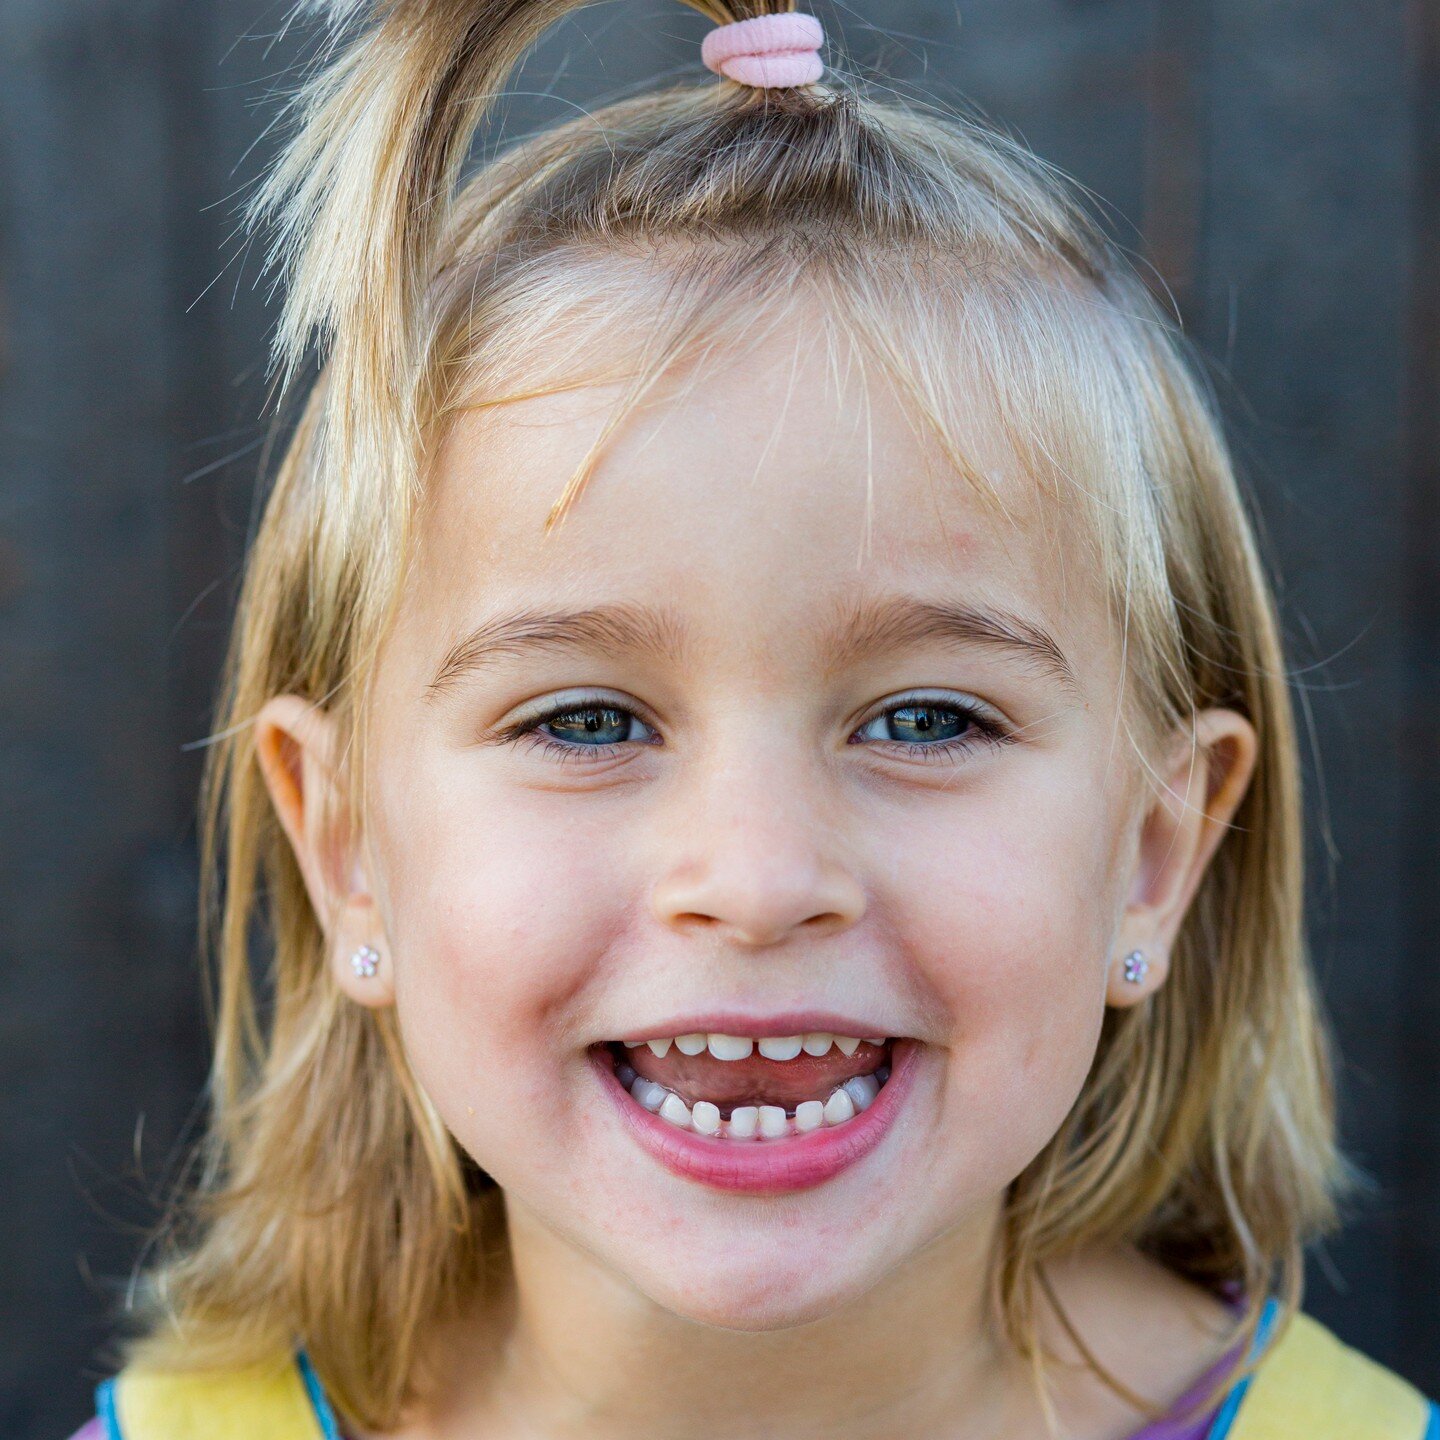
{"x": 983, "y": 730}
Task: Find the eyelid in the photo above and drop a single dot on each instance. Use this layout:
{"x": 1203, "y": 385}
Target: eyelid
{"x": 565, "y": 700}
{"x": 955, "y": 699}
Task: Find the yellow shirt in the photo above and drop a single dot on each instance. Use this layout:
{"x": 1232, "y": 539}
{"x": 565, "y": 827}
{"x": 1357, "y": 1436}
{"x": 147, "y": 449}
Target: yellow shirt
{"x": 1309, "y": 1386}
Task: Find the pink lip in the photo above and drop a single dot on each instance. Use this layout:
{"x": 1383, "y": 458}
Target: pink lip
{"x": 790, "y": 1022}
{"x": 764, "y": 1167}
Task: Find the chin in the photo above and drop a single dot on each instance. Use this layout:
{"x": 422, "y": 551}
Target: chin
{"x": 754, "y": 1301}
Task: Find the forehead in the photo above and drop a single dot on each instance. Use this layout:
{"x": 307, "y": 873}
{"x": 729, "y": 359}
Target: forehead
{"x": 748, "y": 492}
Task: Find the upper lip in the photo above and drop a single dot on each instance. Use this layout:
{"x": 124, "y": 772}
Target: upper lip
{"x": 758, "y": 1027}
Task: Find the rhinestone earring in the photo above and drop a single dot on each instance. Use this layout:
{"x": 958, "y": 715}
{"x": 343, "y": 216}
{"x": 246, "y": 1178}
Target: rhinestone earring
{"x": 365, "y": 961}
{"x": 1136, "y": 967}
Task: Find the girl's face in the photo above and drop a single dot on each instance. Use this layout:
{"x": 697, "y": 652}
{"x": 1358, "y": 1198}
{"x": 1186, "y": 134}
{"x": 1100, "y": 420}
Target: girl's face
{"x": 782, "y": 733}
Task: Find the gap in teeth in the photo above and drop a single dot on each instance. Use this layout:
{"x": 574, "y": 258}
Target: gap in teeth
{"x": 755, "y": 1122}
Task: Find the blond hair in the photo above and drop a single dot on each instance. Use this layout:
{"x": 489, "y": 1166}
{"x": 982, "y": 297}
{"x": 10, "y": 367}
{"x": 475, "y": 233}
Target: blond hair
{"x": 330, "y": 1206}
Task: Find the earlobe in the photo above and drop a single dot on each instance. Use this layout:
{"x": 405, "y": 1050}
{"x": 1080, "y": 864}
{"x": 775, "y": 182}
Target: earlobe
{"x": 295, "y": 748}
{"x": 1134, "y": 976}
{"x": 1183, "y": 826}
{"x": 365, "y": 975}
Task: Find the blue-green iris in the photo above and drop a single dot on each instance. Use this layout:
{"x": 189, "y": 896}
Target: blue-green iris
{"x": 911, "y": 724}
{"x": 592, "y": 724}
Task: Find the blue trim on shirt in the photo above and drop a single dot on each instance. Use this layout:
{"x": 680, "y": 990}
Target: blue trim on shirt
{"x": 323, "y": 1413}
{"x": 1226, "y": 1418}
{"x": 1432, "y": 1430}
{"x": 105, "y": 1408}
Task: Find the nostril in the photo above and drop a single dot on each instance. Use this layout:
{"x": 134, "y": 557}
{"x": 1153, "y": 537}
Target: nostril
{"x": 830, "y": 923}
{"x": 761, "y": 892}
{"x": 760, "y": 935}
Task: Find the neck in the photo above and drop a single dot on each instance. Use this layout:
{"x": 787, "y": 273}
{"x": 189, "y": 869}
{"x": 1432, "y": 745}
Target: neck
{"x": 566, "y": 1348}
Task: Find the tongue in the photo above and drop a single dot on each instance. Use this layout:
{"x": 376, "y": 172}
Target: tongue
{"x": 754, "y": 1080}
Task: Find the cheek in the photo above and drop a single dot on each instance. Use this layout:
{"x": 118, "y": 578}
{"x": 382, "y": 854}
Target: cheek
{"x": 1009, "y": 927}
{"x": 497, "y": 914}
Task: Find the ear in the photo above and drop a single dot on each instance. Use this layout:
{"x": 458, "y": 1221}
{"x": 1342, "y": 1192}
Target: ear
{"x": 1202, "y": 784}
{"x": 296, "y": 745}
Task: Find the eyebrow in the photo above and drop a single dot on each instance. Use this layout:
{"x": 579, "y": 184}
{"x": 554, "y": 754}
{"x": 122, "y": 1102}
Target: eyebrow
{"x": 902, "y": 621}
{"x": 892, "y": 623}
{"x": 609, "y": 629}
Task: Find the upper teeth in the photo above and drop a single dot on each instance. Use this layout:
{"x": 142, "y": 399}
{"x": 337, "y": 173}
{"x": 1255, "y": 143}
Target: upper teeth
{"x": 772, "y": 1047}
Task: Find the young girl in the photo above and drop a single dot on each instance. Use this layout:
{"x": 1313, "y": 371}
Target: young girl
{"x": 757, "y": 735}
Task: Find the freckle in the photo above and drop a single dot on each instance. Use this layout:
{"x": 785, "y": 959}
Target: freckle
{"x": 471, "y": 1109}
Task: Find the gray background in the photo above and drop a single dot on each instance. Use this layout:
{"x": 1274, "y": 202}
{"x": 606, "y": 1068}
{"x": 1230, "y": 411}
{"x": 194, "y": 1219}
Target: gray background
{"x": 1274, "y": 160}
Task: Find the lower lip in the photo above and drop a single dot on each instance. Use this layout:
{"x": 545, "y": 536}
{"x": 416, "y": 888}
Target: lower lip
{"x": 765, "y": 1167}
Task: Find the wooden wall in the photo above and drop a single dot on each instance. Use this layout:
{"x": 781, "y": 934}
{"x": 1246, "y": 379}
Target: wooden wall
{"x": 1276, "y": 161}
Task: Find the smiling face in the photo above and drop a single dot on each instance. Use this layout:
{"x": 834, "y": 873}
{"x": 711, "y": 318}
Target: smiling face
{"x": 799, "y": 769}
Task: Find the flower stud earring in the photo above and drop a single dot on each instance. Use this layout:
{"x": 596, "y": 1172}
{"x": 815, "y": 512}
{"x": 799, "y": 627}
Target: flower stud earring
{"x": 365, "y": 961}
{"x": 1136, "y": 967}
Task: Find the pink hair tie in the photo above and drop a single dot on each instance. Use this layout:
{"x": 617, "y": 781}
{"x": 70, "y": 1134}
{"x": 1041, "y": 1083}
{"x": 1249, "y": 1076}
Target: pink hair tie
{"x": 767, "y": 52}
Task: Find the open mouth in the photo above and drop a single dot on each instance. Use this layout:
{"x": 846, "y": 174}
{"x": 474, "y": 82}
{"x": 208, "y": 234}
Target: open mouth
{"x": 753, "y": 1088}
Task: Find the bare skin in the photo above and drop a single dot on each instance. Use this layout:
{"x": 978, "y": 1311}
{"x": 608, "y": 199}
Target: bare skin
{"x": 757, "y": 839}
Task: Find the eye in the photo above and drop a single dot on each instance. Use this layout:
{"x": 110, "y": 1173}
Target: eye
{"x": 928, "y": 728}
{"x": 587, "y": 729}
{"x": 936, "y": 730}
{"x": 592, "y": 726}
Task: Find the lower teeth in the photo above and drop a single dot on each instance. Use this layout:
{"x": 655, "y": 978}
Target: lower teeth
{"x": 751, "y": 1122}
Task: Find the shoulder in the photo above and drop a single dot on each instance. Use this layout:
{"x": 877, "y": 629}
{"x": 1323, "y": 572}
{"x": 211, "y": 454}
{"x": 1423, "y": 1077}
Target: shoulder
{"x": 1310, "y": 1385}
{"x": 280, "y": 1399}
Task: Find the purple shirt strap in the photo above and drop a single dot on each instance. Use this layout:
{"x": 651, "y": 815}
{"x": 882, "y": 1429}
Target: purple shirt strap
{"x": 1198, "y": 1427}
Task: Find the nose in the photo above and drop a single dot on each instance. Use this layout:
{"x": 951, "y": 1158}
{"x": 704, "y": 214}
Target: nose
{"x": 755, "y": 860}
